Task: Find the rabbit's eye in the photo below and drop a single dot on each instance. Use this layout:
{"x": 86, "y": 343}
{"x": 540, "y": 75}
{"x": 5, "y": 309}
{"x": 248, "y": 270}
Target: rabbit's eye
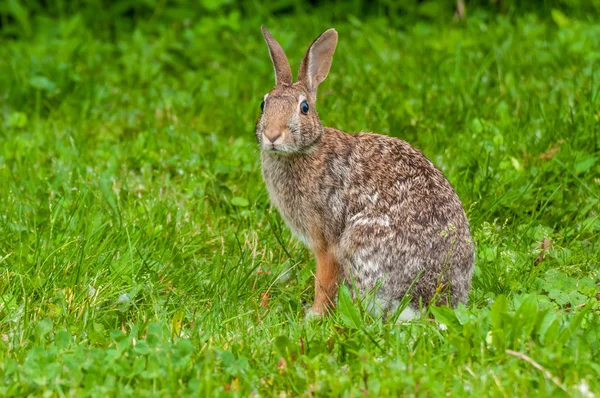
{"x": 262, "y": 106}
{"x": 304, "y": 107}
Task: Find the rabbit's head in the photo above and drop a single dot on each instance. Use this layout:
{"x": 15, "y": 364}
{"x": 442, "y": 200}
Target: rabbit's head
{"x": 289, "y": 123}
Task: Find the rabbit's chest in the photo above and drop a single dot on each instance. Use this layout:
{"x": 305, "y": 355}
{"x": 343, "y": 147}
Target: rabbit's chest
{"x": 298, "y": 205}
{"x": 297, "y": 210}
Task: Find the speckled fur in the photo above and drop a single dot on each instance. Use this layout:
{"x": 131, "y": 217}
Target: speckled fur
{"x": 377, "y": 205}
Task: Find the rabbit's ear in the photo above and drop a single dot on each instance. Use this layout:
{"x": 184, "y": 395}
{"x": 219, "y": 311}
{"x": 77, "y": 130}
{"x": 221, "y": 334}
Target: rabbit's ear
{"x": 317, "y": 61}
{"x": 283, "y": 72}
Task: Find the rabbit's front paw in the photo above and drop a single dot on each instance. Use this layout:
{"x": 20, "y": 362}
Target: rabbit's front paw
{"x": 312, "y": 314}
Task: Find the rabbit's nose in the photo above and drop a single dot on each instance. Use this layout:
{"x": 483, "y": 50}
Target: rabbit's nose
{"x": 272, "y": 135}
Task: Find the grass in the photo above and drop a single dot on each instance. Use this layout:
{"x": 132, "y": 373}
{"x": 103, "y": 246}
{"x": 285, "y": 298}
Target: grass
{"x": 139, "y": 254}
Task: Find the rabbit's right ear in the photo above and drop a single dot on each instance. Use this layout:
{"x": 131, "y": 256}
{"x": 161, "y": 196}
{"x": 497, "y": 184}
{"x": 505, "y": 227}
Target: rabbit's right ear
{"x": 283, "y": 72}
{"x": 317, "y": 61}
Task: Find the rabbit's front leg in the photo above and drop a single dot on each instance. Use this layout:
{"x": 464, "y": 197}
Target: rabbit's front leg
{"x": 326, "y": 282}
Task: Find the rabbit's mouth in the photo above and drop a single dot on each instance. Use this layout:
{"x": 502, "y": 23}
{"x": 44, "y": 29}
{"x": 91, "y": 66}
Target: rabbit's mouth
{"x": 289, "y": 142}
{"x": 279, "y": 146}
{"x": 282, "y": 150}
{"x": 277, "y": 149}
{"x": 271, "y": 147}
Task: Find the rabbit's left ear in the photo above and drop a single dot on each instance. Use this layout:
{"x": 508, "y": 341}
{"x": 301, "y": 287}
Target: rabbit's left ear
{"x": 317, "y": 61}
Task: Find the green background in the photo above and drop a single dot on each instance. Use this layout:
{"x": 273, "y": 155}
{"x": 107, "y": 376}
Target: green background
{"x": 139, "y": 254}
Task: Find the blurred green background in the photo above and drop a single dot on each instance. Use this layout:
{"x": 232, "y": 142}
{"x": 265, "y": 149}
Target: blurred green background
{"x": 22, "y": 17}
{"x": 139, "y": 254}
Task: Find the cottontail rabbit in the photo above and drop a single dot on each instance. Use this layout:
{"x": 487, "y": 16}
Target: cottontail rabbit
{"x": 375, "y": 211}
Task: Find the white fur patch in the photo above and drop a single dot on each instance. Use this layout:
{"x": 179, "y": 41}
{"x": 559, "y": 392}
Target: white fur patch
{"x": 377, "y": 307}
{"x": 356, "y": 216}
{"x": 368, "y": 265}
{"x": 373, "y": 198}
{"x": 359, "y": 219}
{"x": 407, "y": 315}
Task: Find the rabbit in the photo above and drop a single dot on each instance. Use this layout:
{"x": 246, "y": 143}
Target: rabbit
{"x": 378, "y": 215}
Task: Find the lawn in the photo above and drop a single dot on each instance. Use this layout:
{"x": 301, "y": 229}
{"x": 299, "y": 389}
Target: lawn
{"x": 139, "y": 254}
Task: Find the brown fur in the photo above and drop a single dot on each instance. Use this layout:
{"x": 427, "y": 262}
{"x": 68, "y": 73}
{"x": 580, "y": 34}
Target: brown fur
{"x": 326, "y": 281}
{"x": 375, "y": 211}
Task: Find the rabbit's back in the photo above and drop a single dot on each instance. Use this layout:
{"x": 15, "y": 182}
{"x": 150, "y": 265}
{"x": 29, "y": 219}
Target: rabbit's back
{"x": 404, "y": 221}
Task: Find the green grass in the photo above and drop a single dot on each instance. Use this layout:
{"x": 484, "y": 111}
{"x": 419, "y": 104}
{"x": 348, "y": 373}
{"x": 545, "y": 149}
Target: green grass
{"x": 139, "y": 254}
